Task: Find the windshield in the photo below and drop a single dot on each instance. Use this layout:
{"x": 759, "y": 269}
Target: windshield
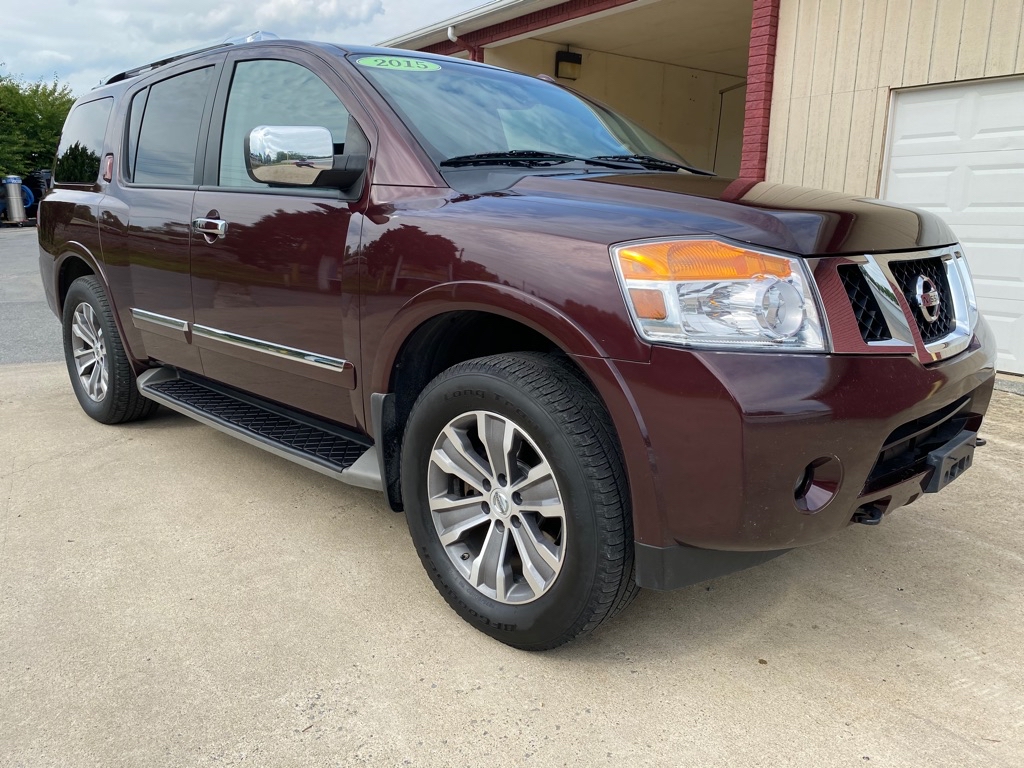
{"x": 457, "y": 109}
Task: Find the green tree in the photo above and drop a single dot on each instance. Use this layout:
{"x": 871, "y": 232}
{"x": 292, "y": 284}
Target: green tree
{"x": 31, "y": 118}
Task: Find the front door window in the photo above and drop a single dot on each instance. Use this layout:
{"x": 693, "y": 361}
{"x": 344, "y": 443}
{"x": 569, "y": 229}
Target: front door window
{"x": 270, "y": 92}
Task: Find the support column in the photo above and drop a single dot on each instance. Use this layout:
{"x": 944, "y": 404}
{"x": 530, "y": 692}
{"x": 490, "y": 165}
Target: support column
{"x": 764, "y": 30}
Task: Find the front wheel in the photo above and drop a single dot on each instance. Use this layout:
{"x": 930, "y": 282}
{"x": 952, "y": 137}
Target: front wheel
{"x": 516, "y": 499}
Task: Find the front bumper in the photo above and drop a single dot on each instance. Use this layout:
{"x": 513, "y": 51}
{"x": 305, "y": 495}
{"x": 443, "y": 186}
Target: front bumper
{"x": 731, "y": 437}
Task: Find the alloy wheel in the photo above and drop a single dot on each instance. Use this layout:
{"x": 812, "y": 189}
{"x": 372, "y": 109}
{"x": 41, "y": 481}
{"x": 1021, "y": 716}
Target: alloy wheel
{"x": 496, "y": 507}
{"x": 89, "y": 348}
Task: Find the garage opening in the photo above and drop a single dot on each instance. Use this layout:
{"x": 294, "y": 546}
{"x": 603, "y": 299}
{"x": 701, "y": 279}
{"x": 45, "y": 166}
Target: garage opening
{"x": 958, "y": 150}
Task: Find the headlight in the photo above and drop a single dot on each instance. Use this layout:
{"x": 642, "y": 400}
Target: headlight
{"x": 710, "y": 293}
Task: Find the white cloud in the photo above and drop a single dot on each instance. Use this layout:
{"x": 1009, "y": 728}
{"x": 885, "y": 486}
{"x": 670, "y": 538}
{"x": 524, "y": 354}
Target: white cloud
{"x": 48, "y": 58}
{"x": 81, "y": 43}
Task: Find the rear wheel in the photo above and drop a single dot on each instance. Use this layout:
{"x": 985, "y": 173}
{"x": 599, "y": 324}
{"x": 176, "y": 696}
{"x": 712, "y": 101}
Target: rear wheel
{"x": 100, "y": 371}
{"x": 517, "y": 501}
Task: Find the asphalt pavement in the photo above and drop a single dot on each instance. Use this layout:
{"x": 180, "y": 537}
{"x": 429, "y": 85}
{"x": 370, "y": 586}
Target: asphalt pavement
{"x": 170, "y": 596}
{"x": 31, "y": 332}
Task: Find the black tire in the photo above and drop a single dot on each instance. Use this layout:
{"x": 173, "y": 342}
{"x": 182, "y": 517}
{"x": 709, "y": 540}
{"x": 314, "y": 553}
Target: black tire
{"x": 554, "y": 408}
{"x": 120, "y": 401}
{"x": 630, "y": 589}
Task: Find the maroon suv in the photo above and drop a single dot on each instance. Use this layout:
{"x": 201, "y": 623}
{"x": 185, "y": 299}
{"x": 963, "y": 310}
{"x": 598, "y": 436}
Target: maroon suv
{"x": 579, "y": 365}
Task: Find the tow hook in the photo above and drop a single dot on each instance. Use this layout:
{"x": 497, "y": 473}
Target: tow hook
{"x": 980, "y": 441}
{"x": 870, "y": 514}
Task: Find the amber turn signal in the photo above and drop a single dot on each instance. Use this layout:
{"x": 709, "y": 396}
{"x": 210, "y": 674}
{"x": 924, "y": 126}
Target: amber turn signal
{"x": 698, "y": 260}
{"x": 648, "y": 304}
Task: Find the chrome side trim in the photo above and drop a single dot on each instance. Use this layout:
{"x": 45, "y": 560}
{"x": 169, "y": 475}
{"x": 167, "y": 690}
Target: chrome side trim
{"x": 164, "y": 325}
{"x": 152, "y": 317}
{"x": 269, "y": 348}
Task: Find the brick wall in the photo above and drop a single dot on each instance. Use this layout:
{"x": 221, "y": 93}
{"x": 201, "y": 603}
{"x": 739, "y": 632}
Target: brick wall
{"x": 760, "y": 74}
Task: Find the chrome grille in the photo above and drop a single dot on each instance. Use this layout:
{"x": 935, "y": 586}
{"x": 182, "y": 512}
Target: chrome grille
{"x": 870, "y": 321}
{"x": 907, "y": 274}
{"x": 875, "y": 283}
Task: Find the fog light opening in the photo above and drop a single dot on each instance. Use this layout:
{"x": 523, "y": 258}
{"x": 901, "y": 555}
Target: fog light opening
{"x": 818, "y": 484}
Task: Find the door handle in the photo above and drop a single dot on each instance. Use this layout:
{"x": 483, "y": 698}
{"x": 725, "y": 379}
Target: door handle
{"x": 215, "y": 228}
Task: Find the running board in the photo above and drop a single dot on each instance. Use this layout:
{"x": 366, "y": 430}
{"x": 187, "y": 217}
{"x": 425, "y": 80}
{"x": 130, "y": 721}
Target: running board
{"x": 311, "y": 442}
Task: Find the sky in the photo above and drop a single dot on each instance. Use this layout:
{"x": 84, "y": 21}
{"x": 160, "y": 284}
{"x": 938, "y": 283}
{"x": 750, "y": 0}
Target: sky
{"x": 84, "y": 41}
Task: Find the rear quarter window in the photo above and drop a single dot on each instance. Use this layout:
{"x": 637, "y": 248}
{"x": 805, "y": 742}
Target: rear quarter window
{"x": 81, "y": 143}
{"x": 169, "y": 132}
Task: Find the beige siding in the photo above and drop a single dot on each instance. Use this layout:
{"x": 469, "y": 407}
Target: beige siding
{"x": 974, "y": 35}
{"x": 1004, "y": 37}
{"x": 838, "y": 60}
{"x": 680, "y": 105}
{"x": 844, "y": 79}
{"x": 919, "y": 46}
{"x": 895, "y": 41}
{"x": 869, "y": 52}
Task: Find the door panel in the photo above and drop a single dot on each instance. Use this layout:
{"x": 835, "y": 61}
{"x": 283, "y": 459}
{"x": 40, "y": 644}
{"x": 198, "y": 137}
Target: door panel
{"x": 269, "y": 301}
{"x": 156, "y": 249}
{"x": 166, "y": 125}
{"x": 274, "y": 314}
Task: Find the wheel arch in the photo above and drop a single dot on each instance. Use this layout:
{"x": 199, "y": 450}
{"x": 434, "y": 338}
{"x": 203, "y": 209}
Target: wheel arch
{"x": 73, "y": 264}
{"x": 529, "y": 312}
{"x": 455, "y": 322}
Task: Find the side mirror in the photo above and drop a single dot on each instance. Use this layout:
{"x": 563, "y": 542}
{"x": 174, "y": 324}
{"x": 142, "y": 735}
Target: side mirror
{"x": 291, "y": 155}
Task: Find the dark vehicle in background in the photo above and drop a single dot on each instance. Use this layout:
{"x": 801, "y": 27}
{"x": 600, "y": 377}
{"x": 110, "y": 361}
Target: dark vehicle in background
{"x": 577, "y": 364}
{"x": 38, "y": 182}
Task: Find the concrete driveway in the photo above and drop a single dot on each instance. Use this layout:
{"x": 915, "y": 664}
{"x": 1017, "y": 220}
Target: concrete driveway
{"x": 171, "y": 596}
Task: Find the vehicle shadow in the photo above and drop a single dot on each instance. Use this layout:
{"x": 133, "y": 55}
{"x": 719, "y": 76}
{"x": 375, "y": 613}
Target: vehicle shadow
{"x": 842, "y": 592}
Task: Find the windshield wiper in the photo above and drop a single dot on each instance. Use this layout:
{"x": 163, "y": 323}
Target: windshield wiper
{"x": 649, "y": 161}
{"x": 527, "y": 158}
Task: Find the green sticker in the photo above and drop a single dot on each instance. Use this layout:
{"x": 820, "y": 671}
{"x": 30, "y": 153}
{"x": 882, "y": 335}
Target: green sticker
{"x": 398, "y": 62}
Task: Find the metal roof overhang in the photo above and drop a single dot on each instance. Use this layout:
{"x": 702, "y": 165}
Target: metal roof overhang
{"x": 476, "y": 18}
{"x": 711, "y": 35}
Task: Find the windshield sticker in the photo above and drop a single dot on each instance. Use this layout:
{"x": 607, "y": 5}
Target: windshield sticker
{"x": 396, "y": 62}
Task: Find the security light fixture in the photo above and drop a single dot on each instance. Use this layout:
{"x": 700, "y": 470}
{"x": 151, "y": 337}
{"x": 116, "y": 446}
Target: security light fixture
{"x": 568, "y": 65}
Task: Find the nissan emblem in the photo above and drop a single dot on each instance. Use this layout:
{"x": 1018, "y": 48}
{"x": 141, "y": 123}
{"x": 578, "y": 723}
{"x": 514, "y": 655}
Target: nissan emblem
{"x": 928, "y": 298}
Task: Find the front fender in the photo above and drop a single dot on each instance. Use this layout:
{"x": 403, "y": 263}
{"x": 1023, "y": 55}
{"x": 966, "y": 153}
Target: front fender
{"x": 547, "y": 320}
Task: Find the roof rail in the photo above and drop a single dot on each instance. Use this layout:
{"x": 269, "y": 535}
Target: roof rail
{"x": 136, "y": 71}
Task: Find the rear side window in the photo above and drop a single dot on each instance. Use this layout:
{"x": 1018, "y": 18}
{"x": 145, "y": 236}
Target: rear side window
{"x": 81, "y": 143}
{"x": 169, "y": 133}
{"x": 135, "y": 113}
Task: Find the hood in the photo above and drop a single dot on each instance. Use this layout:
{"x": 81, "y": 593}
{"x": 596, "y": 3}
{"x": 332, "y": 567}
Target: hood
{"x": 794, "y": 219}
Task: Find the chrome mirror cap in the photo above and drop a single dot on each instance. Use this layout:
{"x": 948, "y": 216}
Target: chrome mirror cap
{"x": 288, "y": 154}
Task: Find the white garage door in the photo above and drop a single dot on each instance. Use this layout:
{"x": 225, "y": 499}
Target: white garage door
{"x": 958, "y": 151}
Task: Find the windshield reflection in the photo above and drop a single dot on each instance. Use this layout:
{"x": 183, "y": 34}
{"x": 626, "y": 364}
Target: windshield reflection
{"x": 461, "y": 109}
